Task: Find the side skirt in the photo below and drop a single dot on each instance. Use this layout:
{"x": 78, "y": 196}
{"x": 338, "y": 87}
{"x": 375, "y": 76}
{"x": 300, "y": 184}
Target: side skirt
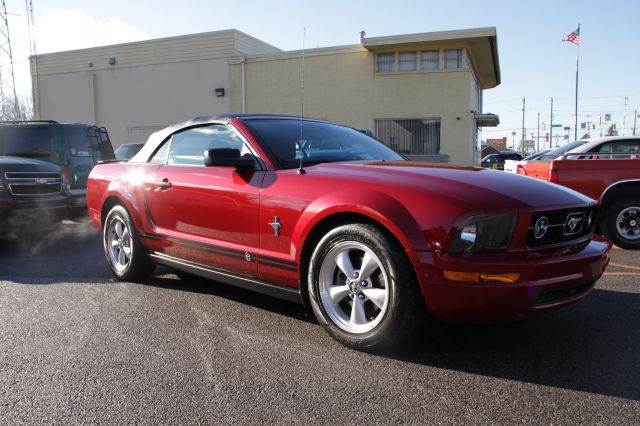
{"x": 252, "y": 284}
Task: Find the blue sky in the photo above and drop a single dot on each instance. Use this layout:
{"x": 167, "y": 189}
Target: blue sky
{"x": 535, "y": 63}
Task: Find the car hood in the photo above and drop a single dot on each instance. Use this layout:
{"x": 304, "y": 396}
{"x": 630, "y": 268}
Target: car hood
{"x": 472, "y": 187}
{"x": 21, "y": 164}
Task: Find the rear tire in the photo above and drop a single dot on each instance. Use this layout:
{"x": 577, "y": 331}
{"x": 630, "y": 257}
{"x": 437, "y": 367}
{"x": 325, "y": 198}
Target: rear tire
{"x": 380, "y": 306}
{"x": 125, "y": 255}
{"x": 621, "y": 222}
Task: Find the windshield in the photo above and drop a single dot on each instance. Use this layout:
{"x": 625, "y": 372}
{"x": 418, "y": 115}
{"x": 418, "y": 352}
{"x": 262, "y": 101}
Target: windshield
{"x": 31, "y": 142}
{"x": 289, "y": 140}
{"x": 555, "y": 153}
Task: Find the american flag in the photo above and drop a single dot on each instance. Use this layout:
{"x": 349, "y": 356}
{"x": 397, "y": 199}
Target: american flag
{"x": 573, "y": 36}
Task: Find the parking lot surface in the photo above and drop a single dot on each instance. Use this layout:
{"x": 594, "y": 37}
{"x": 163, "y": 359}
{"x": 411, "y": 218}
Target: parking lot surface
{"x": 78, "y": 346}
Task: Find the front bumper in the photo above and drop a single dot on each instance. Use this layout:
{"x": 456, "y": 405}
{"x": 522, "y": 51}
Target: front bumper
{"x": 545, "y": 284}
{"x": 31, "y": 212}
{"x": 78, "y": 199}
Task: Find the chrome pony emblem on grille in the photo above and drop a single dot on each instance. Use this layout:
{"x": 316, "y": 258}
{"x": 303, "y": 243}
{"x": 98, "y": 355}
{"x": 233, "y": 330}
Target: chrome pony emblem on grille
{"x": 540, "y": 228}
{"x": 41, "y": 181}
{"x": 574, "y": 223}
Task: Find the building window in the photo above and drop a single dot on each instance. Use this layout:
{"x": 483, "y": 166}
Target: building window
{"x": 407, "y": 61}
{"x": 453, "y": 58}
{"x": 430, "y": 60}
{"x": 386, "y": 62}
{"x": 410, "y": 136}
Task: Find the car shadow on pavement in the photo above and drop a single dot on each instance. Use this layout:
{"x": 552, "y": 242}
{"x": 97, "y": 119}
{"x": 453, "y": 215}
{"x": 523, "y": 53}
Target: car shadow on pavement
{"x": 165, "y": 279}
{"x": 593, "y": 346}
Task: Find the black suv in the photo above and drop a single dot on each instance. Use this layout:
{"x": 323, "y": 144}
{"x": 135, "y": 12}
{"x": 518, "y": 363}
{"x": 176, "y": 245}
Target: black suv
{"x": 76, "y": 148}
{"x": 31, "y": 194}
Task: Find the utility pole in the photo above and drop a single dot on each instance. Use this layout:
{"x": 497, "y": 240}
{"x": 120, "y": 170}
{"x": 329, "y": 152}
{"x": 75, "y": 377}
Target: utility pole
{"x": 5, "y": 42}
{"x": 624, "y": 117}
{"x": 635, "y": 118}
{"x": 524, "y": 135}
{"x": 538, "y": 137}
{"x": 551, "y": 125}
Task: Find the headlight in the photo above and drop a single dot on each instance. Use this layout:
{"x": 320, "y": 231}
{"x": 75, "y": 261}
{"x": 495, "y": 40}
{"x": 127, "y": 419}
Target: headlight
{"x": 484, "y": 233}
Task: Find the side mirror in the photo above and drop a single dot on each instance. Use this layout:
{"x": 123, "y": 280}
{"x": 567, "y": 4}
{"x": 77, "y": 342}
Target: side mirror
{"x": 226, "y": 157}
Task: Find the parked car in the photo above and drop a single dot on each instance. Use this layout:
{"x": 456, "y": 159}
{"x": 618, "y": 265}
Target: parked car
{"x": 317, "y": 212}
{"x": 127, "y": 151}
{"x": 32, "y": 196}
{"x": 511, "y": 166}
{"x": 496, "y": 161}
{"x": 606, "y": 169}
{"x": 76, "y": 148}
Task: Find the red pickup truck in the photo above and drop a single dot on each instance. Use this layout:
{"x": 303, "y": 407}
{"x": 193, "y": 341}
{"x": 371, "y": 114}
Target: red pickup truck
{"x": 605, "y": 169}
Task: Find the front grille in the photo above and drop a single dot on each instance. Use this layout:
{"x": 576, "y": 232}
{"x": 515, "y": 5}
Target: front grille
{"x": 33, "y": 183}
{"x": 31, "y": 175}
{"x": 557, "y": 295}
{"x": 561, "y": 226}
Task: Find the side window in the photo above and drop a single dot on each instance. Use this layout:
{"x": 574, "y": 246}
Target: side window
{"x": 160, "y": 157}
{"x": 630, "y": 146}
{"x": 188, "y": 147}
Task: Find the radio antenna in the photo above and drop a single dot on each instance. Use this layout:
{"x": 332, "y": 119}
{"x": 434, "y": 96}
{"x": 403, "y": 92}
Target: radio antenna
{"x": 301, "y": 143}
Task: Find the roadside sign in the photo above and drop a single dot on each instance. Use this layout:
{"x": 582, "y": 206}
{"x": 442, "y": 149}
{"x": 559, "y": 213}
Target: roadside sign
{"x": 556, "y": 125}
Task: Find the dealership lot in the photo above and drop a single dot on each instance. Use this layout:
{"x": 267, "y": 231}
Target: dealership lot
{"x": 76, "y": 345}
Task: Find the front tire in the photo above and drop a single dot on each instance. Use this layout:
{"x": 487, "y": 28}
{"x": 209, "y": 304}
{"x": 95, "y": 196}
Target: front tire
{"x": 363, "y": 289}
{"x": 622, "y": 222}
{"x": 125, "y": 255}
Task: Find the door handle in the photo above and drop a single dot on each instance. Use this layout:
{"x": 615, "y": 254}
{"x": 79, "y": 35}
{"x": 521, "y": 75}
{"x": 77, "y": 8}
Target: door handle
{"x": 162, "y": 184}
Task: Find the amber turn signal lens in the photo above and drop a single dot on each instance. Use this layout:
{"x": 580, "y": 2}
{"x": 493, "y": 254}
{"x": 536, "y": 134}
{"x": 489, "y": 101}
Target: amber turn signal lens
{"x": 481, "y": 277}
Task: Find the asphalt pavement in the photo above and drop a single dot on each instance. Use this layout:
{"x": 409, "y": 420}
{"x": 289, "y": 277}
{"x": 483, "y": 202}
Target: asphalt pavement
{"x": 77, "y": 346}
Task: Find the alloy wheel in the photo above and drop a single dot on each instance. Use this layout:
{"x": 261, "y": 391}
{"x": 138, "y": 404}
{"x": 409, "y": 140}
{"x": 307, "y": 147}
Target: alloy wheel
{"x": 628, "y": 223}
{"x": 354, "y": 287}
{"x": 119, "y": 244}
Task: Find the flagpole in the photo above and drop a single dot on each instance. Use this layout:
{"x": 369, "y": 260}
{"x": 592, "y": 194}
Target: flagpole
{"x": 577, "y": 73}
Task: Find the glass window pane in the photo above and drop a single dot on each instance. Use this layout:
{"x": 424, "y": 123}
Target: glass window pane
{"x": 33, "y": 142}
{"x": 386, "y": 62}
{"x": 453, "y": 58}
{"x": 188, "y": 147}
{"x": 410, "y": 136}
{"x": 621, "y": 147}
{"x": 160, "y": 157}
{"x": 430, "y": 60}
{"x": 407, "y": 61}
{"x": 316, "y": 142}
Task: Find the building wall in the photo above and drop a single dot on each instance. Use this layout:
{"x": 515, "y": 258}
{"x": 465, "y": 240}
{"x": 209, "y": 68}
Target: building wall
{"x": 153, "y": 83}
{"x": 132, "y": 102}
{"x": 157, "y": 82}
{"x": 341, "y": 85}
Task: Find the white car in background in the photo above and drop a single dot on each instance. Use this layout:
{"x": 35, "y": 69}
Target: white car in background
{"x": 511, "y": 166}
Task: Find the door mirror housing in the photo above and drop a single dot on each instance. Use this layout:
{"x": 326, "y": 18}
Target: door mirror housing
{"x": 227, "y": 157}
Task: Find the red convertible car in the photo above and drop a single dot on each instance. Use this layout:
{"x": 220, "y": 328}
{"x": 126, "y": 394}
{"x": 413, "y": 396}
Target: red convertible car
{"x": 321, "y": 213}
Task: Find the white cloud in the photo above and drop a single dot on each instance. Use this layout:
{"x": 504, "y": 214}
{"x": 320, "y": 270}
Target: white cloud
{"x": 58, "y": 30}
{"x": 74, "y": 29}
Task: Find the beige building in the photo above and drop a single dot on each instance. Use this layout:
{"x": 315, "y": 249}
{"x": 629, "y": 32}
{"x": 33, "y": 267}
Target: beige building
{"x": 420, "y": 93}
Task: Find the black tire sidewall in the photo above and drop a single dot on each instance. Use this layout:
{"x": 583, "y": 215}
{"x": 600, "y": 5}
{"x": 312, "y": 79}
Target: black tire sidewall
{"x": 140, "y": 267}
{"x": 610, "y": 219}
{"x": 392, "y": 327}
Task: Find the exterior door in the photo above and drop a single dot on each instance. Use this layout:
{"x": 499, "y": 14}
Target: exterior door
{"x": 206, "y": 215}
